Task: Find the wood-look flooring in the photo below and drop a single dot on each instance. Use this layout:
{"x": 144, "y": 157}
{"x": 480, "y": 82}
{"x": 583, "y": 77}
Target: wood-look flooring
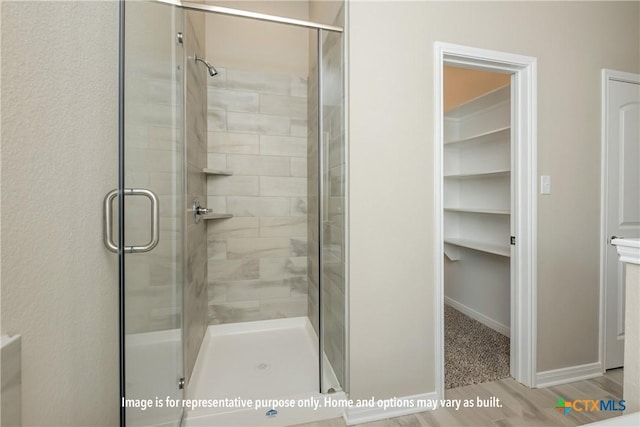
{"x": 522, "y": 406}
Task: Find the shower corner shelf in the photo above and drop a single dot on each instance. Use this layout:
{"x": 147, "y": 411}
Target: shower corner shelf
{"x": 217, "y": 172}
{"x": 217, "y": 216}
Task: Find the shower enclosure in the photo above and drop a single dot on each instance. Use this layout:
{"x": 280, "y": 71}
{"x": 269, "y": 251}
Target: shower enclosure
{"x": 233, "y": 300}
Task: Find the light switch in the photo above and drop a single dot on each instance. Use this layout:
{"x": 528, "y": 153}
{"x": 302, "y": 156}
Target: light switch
{"x": 545, "y": 184}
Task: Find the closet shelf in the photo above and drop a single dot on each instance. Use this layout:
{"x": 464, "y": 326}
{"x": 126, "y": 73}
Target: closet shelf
{"x": 217, "y": 216}
{"x": 217, "y": 172}
{"x": 486, "y": 101}
{"x": 489, "y": 136}
{"x": 479, "y": 174}
{"x": 480, "y": 211}
{"x": 490, "y": 248}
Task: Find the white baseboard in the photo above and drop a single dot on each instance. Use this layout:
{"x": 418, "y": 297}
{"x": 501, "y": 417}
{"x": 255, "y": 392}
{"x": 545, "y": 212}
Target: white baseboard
{"x": 568, "y": 375}
{"x": 364, "y": 415}
{"x": 487, "y": 321}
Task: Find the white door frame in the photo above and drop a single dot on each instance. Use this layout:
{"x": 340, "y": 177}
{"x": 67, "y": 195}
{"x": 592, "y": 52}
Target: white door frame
{"x": 523, "y": 134}
{"x": 607, "y": 76}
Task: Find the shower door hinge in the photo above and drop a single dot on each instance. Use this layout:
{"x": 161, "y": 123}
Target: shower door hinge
{"x": 180, "y": 38}
{"x": 513, "y": 240}
{"x": 181, "y": 383}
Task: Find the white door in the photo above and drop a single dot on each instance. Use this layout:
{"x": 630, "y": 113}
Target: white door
{"x": 621, "y": 209}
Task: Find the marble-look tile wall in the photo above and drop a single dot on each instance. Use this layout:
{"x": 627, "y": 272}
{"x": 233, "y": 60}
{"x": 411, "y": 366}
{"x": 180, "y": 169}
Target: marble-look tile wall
{"x": 195, "y": 286}
{"x": 257, "y": 265}
{"x": 333, "y": 221}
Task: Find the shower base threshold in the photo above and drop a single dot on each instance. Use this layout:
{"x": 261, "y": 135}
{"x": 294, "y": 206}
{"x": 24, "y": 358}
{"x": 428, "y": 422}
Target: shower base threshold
{"x": 254, "y": 362}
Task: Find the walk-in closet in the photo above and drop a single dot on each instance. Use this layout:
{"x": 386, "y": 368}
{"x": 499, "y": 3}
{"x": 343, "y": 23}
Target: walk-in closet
{"x": 477, "y": 213}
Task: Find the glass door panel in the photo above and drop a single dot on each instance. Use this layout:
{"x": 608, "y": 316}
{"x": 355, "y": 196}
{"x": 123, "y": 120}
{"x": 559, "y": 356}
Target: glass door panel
{"x": 332, "y": 172}
{"x": 153, "y": 163}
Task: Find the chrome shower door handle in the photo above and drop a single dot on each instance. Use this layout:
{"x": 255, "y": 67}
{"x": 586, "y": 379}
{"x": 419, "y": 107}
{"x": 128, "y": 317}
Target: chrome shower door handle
{"x": 108, "y": 220}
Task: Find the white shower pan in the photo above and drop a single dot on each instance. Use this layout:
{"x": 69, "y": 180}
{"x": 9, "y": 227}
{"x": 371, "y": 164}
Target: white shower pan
{"x": 258, "y": 361}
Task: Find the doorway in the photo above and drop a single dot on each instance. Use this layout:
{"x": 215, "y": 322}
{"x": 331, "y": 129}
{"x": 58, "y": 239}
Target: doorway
{"x": 521, "y": 208}
{"x": 477, "y": 225}
{"x": 620, "y": 203}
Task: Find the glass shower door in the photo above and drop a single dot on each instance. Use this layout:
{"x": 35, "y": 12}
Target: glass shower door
{"x": 154, "y": 213}
{"x": 333, "y": 175}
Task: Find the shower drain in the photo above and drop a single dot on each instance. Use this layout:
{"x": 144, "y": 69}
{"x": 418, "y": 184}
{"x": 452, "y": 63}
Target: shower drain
{"x": 262, "y": 367}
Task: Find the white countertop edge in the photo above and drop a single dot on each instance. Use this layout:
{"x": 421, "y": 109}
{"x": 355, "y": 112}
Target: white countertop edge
{"x": 628, "y": 250}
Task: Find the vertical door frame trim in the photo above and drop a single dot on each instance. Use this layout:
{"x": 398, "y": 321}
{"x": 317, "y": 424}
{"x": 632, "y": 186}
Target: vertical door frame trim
{"x": 524, "y": 143}
{"x": 607, "y": 76}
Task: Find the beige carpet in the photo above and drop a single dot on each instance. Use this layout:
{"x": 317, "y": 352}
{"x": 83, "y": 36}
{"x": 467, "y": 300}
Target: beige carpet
{"x": 473, "y": 352}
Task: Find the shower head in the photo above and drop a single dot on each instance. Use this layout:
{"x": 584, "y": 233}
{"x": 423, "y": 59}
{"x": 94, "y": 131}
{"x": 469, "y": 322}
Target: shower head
{"x": 212, "y": 71}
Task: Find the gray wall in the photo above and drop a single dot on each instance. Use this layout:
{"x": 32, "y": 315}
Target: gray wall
{"x": 59, "y": 159}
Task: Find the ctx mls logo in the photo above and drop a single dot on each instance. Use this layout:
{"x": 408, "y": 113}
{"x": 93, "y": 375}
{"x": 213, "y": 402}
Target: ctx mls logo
{"x": 563, "y": 406}
{"x": 585, "y": 405}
